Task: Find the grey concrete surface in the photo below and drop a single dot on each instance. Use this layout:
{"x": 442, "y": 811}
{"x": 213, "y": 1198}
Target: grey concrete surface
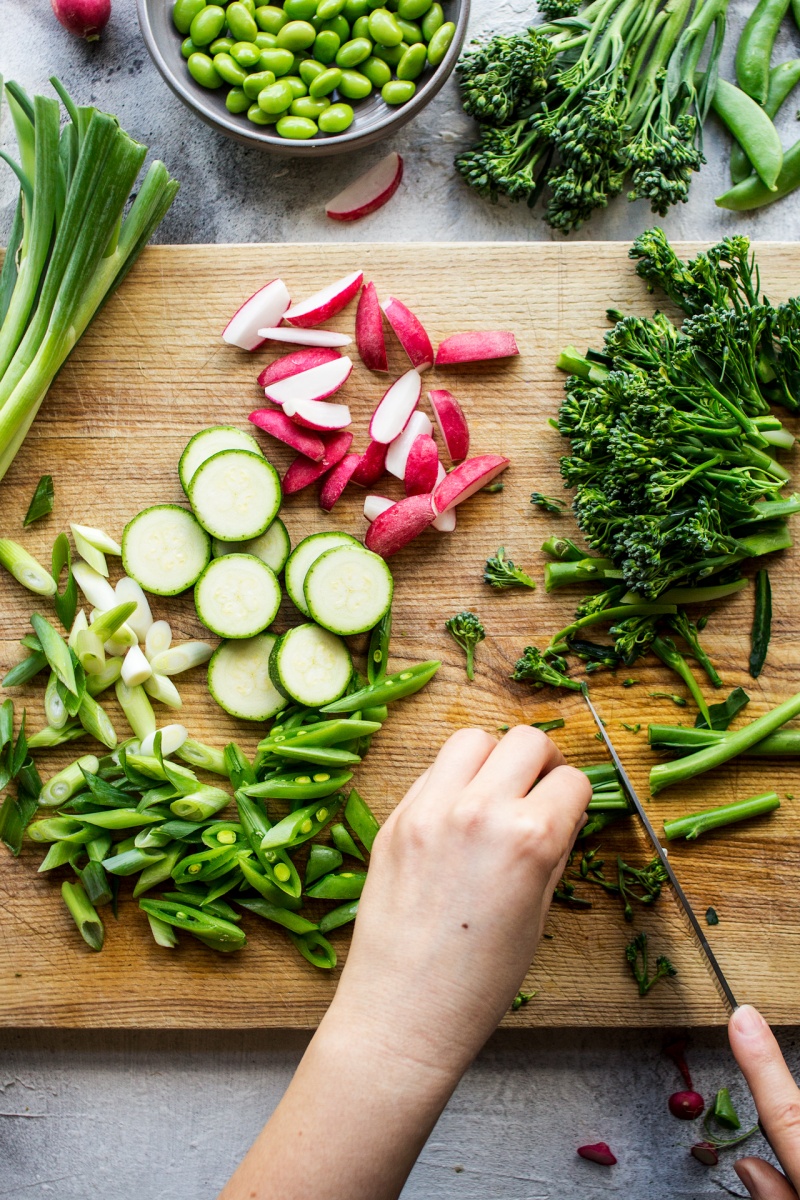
{"x": 128, "y": 1116}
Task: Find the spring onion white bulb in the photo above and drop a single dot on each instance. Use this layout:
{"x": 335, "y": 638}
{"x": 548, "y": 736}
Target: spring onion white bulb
{"x": 181, "y": 658}
{"x": 158, "y": 639}
{"x": 172, "y": 738}
{"x": 97, "y": 538}
{"x": 141, "y": 620}
{"x": 25, "y": 569}
{"x": 135, "y": 669}
{"x": 97, "y": 590}
{"x": 161, "y": 688}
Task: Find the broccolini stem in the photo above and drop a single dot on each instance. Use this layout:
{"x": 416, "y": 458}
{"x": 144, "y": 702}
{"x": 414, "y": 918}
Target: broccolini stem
{"x": 693, "y": 825}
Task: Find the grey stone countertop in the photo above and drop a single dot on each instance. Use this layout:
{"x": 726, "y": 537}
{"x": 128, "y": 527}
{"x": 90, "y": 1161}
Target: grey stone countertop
{"x": 151, "y": 1116}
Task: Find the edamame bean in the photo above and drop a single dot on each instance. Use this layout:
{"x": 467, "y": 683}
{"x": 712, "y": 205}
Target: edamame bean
{"x": 265, "y": 41}
{"x": 354, "y": 85}
{"x": 298, "y": 129}
{"x": 250, "y": 5}
{"x": 300, "y": 10}
{"x": 310, "y": 70}
{"x": 259, "y": 117}
{"x": 280, "y": 62}
{"x": 241, "y": 22}
{"x": 328, "y": 9}
{"x": 373, "y": 4}
{"x": 306, "y": 106}
{"x": 326, "y": 46}
{"x": 297, "y": 35}
{"x": 270, "y": 18}
{"x": 336, "y": 25}
{"x": 229, "y": 70}
{"x": 207, "y": 25}
{"x": 296, "y": 84}
{"x": 433, "y": 20}
{"x": 440, "y": 43}
{"x": 276, "y": 98}
{"x": 398, "y": 91}
{"x": 353, "y": 9}
{"x": 412, "y": 64}
{"x": 411, "y": 31}
{"x": 256, "y": 83}
{"x": 187, "y": 47}
{"x": 184, "y": 12}
{"x": 202, "y": 70}
{"x": 361, "y": 28}
{"x": 390, "y": 54}
{"x": 222, "y": 45}
{"x": 336, "y": 119}
{"x": 412, "y": 10}
{"x": 246, "y": 54}
{"x": 325, "y": 83}
{"x": 383, "y": 28}
{"x": 353, "y": 52}
{"x": 236, "y": 101}
{"x": 377, "y": 71}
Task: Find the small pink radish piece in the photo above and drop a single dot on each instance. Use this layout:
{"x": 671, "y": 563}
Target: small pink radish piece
{"x": 318, "y": 414}
{"x": 421, "y": 466}
{"x": 84, "y": 18}
{"x": 452, "y": 423}
{"x": 369, "y": 330}
{"x": 337, "y": 481}
{"x": 397, "y": 454}
{"x": 278, "y": 425}
{"x": 475, "y": 347}
{"x": 295, "y": 362}
{"x": 369, "y": 192}
{"x": 374, "y": 505}
{"x": 302, "y": 472}
{"x": 446, "y": 521}
{"x": 326, "y": 303}
{"x": 372, "y": 465}
{"x": 304, "y": 337}
{"x": 316, "y": 384}
{"x": 410, "y": 334}
{"x": 264, "y": 307}
{"x": 399, "y": 401}
{"x": 399, "y": 525}
{"x": 599, "y": 1152}
{"x": 466, "y": 479}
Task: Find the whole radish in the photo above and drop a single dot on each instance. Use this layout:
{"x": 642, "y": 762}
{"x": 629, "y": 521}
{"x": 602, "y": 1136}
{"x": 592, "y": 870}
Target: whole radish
{"x": 84, "y": 18}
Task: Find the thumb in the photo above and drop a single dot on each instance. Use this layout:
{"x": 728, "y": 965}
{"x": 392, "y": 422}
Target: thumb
{"x": 774, "y": 1090}
{"x": 762, "y": 1181}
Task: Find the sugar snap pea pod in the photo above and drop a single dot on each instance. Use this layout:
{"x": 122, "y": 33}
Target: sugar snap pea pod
{"x": 343, "y": 841}
{"x": 83, "y": 914}
{"x": 280, "y": 916}
{"x": 205, "y": 757}
{"x": 59, "y": 829}
{"x": 337, "y": 917}
{"x": 160, "y": 870}
{"x": 378, "y": 713}
{"x": 323, "y": 733}
{"x": 260, "y": 878}
{"x": 67, "y": 783}
{"x": 393, "y": 687}
{"x": 782, "y": 80}
{"x": 204, "y": 925}
{"x": 325, "y": 756}
{"x": 163, "y": 934}
{"x": 378, "y": 652}
{"x": 321, "y": 861}
{"x": 343, "y": 885}
{"x": 206, "y": 865}
{"x": 299, "y": 787}
{"x": 752, "y": 128}
{"x": 361, "y": 819}
{"x": 278, "y": 868}
{"x": 131, "y": 862}
{"x": 96, "y": 883}
{"x": 59, "y": 854}
{"x": 301, "y": 825}
{"x": 200, "y": 804}
{"x": 225, "y": 833}
{"x": 238, "y": 767}
{"x": 316, "y": 949}
{"x": 754, "y": 48}
{"x": 197, "y": 897}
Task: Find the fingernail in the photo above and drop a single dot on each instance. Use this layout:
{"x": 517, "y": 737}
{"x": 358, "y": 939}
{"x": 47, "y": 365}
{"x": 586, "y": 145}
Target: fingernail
{"x": 748, "y": 1021}
{"x": 746, "y": 1175}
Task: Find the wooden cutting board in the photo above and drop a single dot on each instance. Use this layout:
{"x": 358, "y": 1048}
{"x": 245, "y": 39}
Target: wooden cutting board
{"x": 150, "y": 372}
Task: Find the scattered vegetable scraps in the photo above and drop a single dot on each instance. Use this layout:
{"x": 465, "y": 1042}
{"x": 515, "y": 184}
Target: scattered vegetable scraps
{"x": 42, "y": 501}
{"x": 636, "y": 956}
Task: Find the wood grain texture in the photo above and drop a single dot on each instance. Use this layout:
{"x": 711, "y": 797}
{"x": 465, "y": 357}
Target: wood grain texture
{"x": 149, "y": 373}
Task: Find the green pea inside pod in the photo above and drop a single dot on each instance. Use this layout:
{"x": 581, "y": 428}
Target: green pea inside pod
{"x": 229, "y": 70}
{"x": 433, "y": 20}
{"x": 254, "y": 84}
{"x": 296, "y": 84}
{"x": 241, "y": 22}
{"x": 236, "y": 101}
{"x": 270, "y": 18}
{"x": 383, "y": 28}
{"x": 188, "y": 47}
{"x": 279, "y": 61}
{"x": 353, "y": 9}
{"x": 300, "y": 10}
{"x": 307, "y": 106}
{"x": 297, "y": 35}
{"x": 390, "y": 54}
{"x": 353, "y": 52}
{"x": 326, "y": 46}
{"x": 297, "y": 129}
{"x": 412, "y": 64}
{"x": 309, "y": 69}
{"x": 275, "y": 98}
{"x": 328, "y": 9}
{"x": 336, "y": 119}
{"x": 440, "y": 43}
{"x": 259, "y": 117}
{"x": 184, "y": 12}
{"x": 246, "y": 54}
{"x": 325, "y": 83}
{"x": 203, "y": 71}
{"x": 354, "y": 85}
{"x": 207, "y": 25}
{"x": 377, "y": 71}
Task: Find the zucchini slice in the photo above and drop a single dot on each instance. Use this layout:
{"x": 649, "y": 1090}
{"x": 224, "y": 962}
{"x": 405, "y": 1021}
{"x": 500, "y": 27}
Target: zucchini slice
{"x": 165, "y": 550}
{"x": 273, "y": 547}
{"x": 311, "y": 665}
{"x": 237, "y": 596}
{"x": 303, "y": 556}
{"x": 235, "y": 495}
{"x": 208, "y": 442}
{"x": 348, "y": 589}
{"x": 239, "y": 680}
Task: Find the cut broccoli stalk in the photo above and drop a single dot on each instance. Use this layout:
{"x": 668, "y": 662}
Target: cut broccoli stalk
{"x": 695, "y": 824}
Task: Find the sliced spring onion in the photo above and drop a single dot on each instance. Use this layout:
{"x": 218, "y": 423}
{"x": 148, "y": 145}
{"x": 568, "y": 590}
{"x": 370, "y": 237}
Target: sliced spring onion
{"x": 42, "y": 502}
{"x": 25, "y": 569}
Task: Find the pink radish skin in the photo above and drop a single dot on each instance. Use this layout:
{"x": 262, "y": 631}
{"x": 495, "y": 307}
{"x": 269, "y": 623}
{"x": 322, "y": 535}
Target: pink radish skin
{"x": 600, "y": 1153}
{"x": 316, "y": 384}
{"x": 278, "y": 425}
{"x": 421, "y": 466}
{"x": 375, "y": 505}
{"x": 369, "y": 330}
{"x": 304, "y": 337}
{"x": 318, "y": 414}
{"x": 337, "y": 481}
{"x": 397, "y": 454}
{"x": 302, "y": 472}
{"x": 399, "y": 525}
{"x": 446, "y": 521}
{"x": 466, "y": 479}
{"x": 452, "y": 423}
{"x": 392, "y": 414}
{"x": 475, "y": 347}
{"x": 264, "y": 307}
{"x": 84, "y": 18}
{"x": 372, "y": 465}
{"x": 294, "y": 363}
{"x": 369, "y": 192}
{"x": 326, "y": 303}
{"x": 410, "y": 334}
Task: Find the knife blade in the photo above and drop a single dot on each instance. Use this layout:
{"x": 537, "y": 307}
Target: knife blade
{"x": 718, "y": 973}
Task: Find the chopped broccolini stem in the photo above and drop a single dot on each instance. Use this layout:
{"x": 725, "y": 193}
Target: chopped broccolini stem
{"x": 495, "y": 487}
{"x": 521, "y": 999}
{"x": 631, "y": 728}
{"x": 548, "y": 504}
{"x": 630, "y": 682}
{"x": 501, "y": 572}
{"x": 636, "y": 957}
{"x": 679, "y": 700}
{"x": 547, "y": 726}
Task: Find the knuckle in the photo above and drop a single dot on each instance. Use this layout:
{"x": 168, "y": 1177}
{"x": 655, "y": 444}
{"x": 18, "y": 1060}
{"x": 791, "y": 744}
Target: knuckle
{"x": 786, "y": 1115}
{"x": 573, "y": 780}
{"x": 538, "y": 840}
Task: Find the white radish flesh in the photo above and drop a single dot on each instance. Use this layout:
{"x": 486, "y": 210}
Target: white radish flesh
{"x": 264, "y": 307}
{"x": 410, "y": 333}
{"x": 325, "y": 303}
{"x": 135, "y": 669}
{"x": 295, "y": 362}
{"x": 319, "y": 415}
{"x": 371, "y": 466}
{"x": 399, "y": 525}
{"x": 466, "y": 479}
{"x": 316, "y": 384}
{"x": 303, "y": 472}
{"x": 141, "y": 621}
{"x": 181, "y": 658}
{"x": 369, "y": 192}
{"x": 161, "y": 688}
{"x": 392, "y": 414}
{"x": 172, "y": 738}
{"x": 279, "y": 426}
{"x": 337, "y": 481}
{"x": 397, "y": 454}
{"x": 305, "y": 337}
{"x": 421, "y": 466}
{"x": 369, "y": 330}
{"x": 374, "y": 505}
{"x": 97, "y": 590}
{"x": 158, "y": 639}
{"x": 452, "y": 423}
{"x": 98, "y": 538}
{"x": 446, "y": 521}
{"x": 476, "y": 347}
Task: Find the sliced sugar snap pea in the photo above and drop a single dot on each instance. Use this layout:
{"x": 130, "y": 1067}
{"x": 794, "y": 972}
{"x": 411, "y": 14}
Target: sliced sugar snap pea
{"x": 246, "y": 54}
{"x": 229, "y": 70}
{"x": 207, "y": 25}
{"x": 440, "y": 43}
{"x": 377, "y": 71}
{"x": 256, "y": 83}
{"x": 412, "y": 64}
{"x": 297, "y": 129}
{"x": 336, "y": 119}
{"x": 325, "y": 83}
{"x": 270, "y": 18}
{"x": 184, "y": 12}
{"x": 383, "y": 28}
{"x": 236, "y": 101}
{"x": 433, "y": 20}
{"x": 354, "y": 85}
{"x": 241, "y": 21}
{"x": 202, "y": 70}
{"x": 297, "y": 35}
{"x": 326, "y": 46}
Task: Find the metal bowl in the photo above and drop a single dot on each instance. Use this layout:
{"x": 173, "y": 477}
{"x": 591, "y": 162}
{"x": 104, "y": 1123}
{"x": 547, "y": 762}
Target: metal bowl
{"x": 374, "y": 120}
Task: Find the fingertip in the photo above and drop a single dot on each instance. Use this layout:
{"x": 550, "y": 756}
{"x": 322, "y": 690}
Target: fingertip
{"x": 747, "y": 1022}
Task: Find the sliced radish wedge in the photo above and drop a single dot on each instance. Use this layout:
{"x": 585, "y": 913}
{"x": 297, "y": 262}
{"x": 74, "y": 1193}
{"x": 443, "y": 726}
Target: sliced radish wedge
{"x": 466, "y": 479}
{"x": 446, "y": 521}
{"x": 318, "y": 414}
{"x": 279, "y": 426}
{"x": 399, "y": 401}
{"x": 303, "y": 472}
{"x": 326, "y": 303}
{"x": 369, "y": 330}
{"x": 294, "y": 363}
{"x": 305, "y": 337}
{"x": 264, "y": 307}
{"x": 374, "y": 505}
{"x": 369, "y": 192}
{"x": 422, "y": 466}
{"x": 337, "y": 481}
{"x": 452, "y": 423}
{"x": 372, "y": 465}
{"x": 316, "y": 384}
{"x": 399, "y": 525}
{"x": 397, "y": 454}
{"x": 475, "y": 347}
{"x": 410, "y": 334}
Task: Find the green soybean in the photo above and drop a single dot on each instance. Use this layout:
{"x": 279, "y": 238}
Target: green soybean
{"x": 411, "y": 31}
{"x": 307, "y": 106}
{"x": 433, "y": 20}
{"x": 207, "y": 25}
{"x": 187, "y": 47}
{"x": 309, "y": 70}
{"x": 373, "y": 4}
{"x": 299, "y": 89}
{"x": 353, "y": 52}
{"x": 270, "y": 18}
{"x": 328, "y": 9}
{"x": 236, "y": 101}
{"x": 383, "y": 28}
{"x": 326, "y": 46}
{"x": 246, "y": 54}
{"x": 336, "y": 119}
{"x": 221, "y": 45}
{"x": 280, "y": 62}
{"x": 440, "y": 43}
{"x": 412, "y": 64}
{"x": 250, "y": 5}
{"x": 276, "y": 98}
{"x": 336, "y": 25}
{"x": 229, "y": 70}
{"x": 353, "y": 9}
{"x": 265, "y": 41}
{"x": 300, "y": 10}
{"x": 390, "y": 54}
{"x": 361, "y": 28}
{"x": 398, "y": 91}
{"x": 412, "y": 10}
{"x": 203, "y": 71}
{"x": 256, "y": 83}
{"x": 259, "y": 117}
{"x": 184, "y": 12}
{"x": 376, "y": 71}
{"x": 241, "y": 22}
{"x": 325, "y": 83}
{"x": 298, "y": 129}
{"x": 354, "y": 85}
{"x": 297, "y": 35}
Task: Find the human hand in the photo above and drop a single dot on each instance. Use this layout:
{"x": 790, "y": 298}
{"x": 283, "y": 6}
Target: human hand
{"x": 777, "y": 1099}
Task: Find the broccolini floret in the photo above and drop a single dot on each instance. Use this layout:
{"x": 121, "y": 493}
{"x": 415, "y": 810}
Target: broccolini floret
{"x": 636, "y": 957}
{"x": 533, "y": 667}
{"x": 466, "y": 629}
{"x": 547, "y": 504}
{"x": 501, "y": 572}
{"x": 498, "y": 74}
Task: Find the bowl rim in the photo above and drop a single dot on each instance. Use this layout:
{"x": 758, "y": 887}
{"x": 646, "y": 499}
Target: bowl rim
{"x": 191, "y": 95}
